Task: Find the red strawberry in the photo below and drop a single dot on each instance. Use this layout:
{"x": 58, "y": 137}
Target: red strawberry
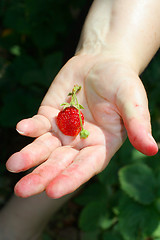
{"x": 70, "y": 120}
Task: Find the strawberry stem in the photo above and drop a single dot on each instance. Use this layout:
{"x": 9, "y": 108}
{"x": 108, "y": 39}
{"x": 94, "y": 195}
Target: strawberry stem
{"x": 74, "y": 102}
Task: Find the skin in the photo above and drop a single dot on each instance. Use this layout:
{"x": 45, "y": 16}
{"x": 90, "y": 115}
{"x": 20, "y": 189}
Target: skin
{"x": 107, "y": 64}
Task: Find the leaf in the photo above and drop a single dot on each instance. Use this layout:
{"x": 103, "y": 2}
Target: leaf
{"x": 15, "y": 50}
{"x": 93, "y": 235}
{"x": 158, "y": 182}
{"x": 65, "y": 105}
{"x": 153, "y": 163}
{"x": 138, "y": 156}
{"x": 138, "y": 181}
{"x": 110, "y": 174}
{"x": 135, "y": 220}
{"x": 80, "y": 106}
{"x": 111, "y": 236}
{"x": 106, "y": 222}
{"x": 156, "y": 233}
{"x": 125, "y": 153}
{"x": 91, "y": 215}
{"x": 157, "y": 204}
{"x": 95, "y": 191}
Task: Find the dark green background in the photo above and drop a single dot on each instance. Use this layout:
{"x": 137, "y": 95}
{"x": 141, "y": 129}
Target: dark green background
{"x": 36, "y": 38}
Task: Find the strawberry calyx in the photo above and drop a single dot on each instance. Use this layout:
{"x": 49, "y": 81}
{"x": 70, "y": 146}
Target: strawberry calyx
{"x": 84, "y": 133}
{"x": 74, "y": 103}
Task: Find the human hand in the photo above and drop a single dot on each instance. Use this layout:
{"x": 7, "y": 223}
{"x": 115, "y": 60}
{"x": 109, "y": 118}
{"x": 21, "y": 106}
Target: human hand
{"x": 114, "y": 102}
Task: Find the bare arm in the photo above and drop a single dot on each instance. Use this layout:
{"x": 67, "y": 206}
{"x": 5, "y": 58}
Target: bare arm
{"x": 131, "y": 29}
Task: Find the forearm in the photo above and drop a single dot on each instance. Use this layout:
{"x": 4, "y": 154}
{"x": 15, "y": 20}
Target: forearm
{"x": 130, "y": 29}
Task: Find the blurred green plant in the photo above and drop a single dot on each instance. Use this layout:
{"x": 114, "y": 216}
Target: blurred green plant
{"x": 123, "y": 203}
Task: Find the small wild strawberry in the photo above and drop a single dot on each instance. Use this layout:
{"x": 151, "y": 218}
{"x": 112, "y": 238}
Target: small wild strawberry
{"x": 70, "y": 120}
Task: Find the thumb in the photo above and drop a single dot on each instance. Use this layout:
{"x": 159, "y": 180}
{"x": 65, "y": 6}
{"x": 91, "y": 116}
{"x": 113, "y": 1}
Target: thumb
{"x": 133, "y": 105}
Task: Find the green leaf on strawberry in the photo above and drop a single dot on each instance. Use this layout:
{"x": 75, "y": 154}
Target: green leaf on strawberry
{"x": 70, "y": 120}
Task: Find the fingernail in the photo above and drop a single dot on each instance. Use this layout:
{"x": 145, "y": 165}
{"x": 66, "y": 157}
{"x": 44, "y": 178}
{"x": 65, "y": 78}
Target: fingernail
{"x": 20, "y": 132}
{"x": 15, "y": 163}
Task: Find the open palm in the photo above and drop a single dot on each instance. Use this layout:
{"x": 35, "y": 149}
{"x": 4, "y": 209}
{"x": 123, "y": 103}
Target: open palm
{"x": 114, "y": 102}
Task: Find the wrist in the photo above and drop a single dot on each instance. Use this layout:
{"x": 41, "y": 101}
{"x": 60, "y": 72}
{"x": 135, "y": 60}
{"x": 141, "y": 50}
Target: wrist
{"x": 127, "y": 30}
{"x": 108, "y": 51}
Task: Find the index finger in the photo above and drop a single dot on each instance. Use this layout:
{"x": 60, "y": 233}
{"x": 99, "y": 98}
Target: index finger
{"x": 39, "y": 124}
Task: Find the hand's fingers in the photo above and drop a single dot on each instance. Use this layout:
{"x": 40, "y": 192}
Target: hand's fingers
{"x": 133, "y": 105}
{"x": 39, "y": 124}
{"x": 33, "y": 154}
{"x": 140, "y": 137}
{"x": 37, "y": 181}
{"x": 34, "y": 127}
{"x": 90, "y": 161}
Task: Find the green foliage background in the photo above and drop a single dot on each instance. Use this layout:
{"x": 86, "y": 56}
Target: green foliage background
{"x": 121, "y": 203}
